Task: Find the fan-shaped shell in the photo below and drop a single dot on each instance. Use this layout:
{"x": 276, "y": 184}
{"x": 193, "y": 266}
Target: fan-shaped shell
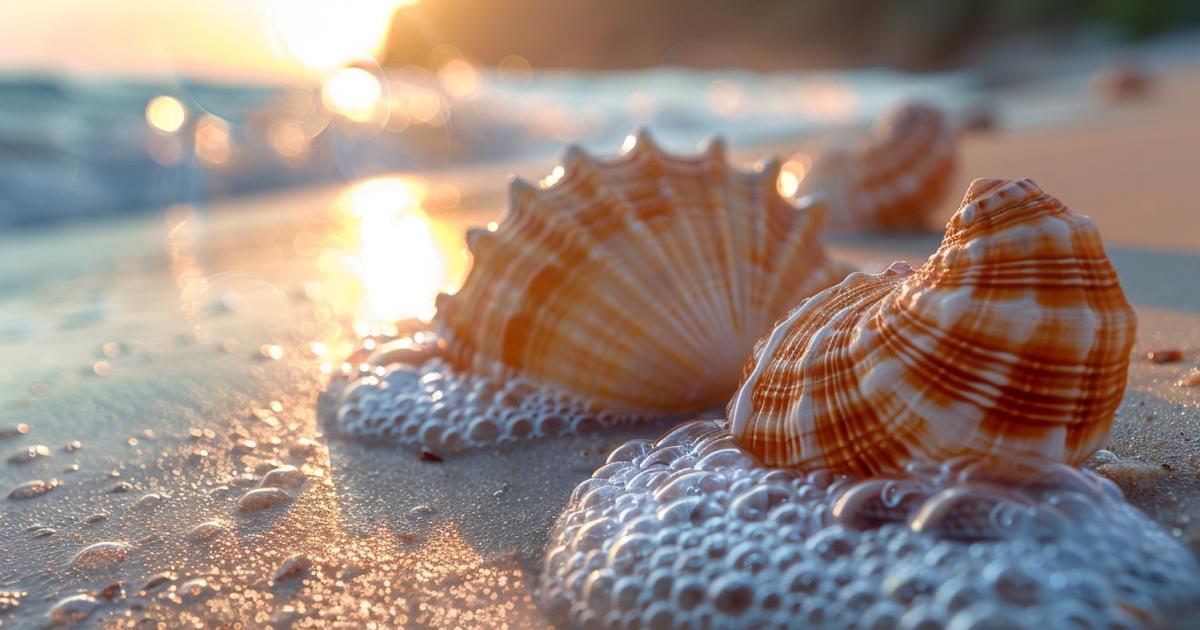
{"x": 893, "y": 178}
{"x": 1014, "y": 337}
{"x": 640, "y": 284}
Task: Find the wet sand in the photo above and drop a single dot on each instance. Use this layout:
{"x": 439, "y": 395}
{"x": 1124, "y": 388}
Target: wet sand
{"x": 394, "y": 539}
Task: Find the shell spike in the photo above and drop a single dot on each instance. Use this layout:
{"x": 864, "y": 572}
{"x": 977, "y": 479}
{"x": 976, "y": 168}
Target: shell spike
{"x": 980, "y": 186}
{"x": 520, "y": 191}
{"x": 639, "y": 141}
{"x": 442, "y": 300}
{"x": 770, "y": 169}
{"x": 817, "y": 207}
{"x": 576, "y": 158}
{"x": 476, "y": 238}
{"x": 715, "y": 148}
{"x": 892, "y": 177}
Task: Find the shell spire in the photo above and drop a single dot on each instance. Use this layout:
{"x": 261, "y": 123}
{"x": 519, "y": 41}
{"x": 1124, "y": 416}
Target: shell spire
{"x": 893, "y": 178}
{"x": 639, "y": 283}
{"x": 1013, "y": 339}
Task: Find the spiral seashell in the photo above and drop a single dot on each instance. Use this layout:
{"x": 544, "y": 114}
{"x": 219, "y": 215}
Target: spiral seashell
{"x": 890, "y": 180}
{"x": 638, "y": 284}
{"x": 1013, "y": 338}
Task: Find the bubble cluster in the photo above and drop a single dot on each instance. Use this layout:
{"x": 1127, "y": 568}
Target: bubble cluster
{"x": 689, "y": 531}
{"x": 422, "y": 400}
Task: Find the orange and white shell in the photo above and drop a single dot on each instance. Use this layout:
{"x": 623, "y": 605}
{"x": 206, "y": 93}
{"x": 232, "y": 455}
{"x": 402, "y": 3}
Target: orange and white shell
{"x": 890, "y": 180}
{"x": 1013, "y": 339}
{"x": 639, "y": 284}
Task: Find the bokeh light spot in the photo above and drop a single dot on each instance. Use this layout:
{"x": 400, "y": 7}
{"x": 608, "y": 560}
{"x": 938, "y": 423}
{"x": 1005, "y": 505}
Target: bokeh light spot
{"x": 353, "y": 93}
{"x": 165, "y": 114}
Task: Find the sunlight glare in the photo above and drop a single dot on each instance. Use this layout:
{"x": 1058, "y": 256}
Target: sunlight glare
{"x": 353, "y": 93}
{"x": 326, "y": 35}
{"x": 402, "y": 262}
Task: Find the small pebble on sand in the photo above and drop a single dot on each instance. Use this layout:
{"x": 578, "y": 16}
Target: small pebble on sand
{"x": 31, "y": 489}
{"x": 195, "y": 588}
{"x": 292, "y": 568}
{"x": 100, "y": 555}
{"x": 283, "y": 477}
{"x": 157, "y": 581}
{"x": 73, "y": 609}
{"x": 262, "y": 499}
{"x": 14, "y": 431}
{"x": 1164, "y": 355}
{"x": 150, "y": 500}
{"x": 113, "y": 591}
{"x": 1192, "y": 379}
{"x": 420, "y": 512}
{"x": 29, "y": 454}
{"x": 207, "y": 531}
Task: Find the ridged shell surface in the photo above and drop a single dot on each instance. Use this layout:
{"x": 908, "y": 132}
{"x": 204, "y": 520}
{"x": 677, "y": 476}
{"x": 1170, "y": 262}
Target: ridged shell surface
{"x": 891, "y": 180}
{"x": 1013, "y": 338}
{"x": 639, "y": 284}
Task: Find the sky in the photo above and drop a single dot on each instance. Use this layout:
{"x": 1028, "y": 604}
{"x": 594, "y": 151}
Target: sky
{"x": 229, "y": 39}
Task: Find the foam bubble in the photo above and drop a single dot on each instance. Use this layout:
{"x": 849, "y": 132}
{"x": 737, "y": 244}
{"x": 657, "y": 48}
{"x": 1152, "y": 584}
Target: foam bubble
{"x": 402, "y": 392}
{"x": 688, "y": 531}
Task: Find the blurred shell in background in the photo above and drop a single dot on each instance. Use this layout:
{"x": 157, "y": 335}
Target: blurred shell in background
{"x": 890, "y": 180}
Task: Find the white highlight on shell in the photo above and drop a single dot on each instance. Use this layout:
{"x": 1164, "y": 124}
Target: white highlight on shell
{"x": 689, "y": 531}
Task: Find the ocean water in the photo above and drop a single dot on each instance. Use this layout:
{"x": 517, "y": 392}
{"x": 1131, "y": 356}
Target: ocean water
{"x": 79, "y": 147}
{"x": 75, "y": 148}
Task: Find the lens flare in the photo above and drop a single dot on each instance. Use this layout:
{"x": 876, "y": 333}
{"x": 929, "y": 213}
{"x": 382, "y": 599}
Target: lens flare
{"x": 353, "y": 93}
{"x": 792, "y": 174}
{"x": 166, "y": 114}
{"x": 213, "y": 144}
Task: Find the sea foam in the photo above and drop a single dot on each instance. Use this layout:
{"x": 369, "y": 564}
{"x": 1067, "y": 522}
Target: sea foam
{"x": 690, "y": 531}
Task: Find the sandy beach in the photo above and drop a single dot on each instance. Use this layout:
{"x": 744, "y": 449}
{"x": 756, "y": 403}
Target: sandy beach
{"x": 180, "y": 355}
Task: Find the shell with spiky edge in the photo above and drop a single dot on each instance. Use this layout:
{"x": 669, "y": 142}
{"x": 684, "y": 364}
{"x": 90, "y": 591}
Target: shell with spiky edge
{"x": 1012, "y": 339}
{"x": 892, "y": 179}
{"x": 639, "y": 284}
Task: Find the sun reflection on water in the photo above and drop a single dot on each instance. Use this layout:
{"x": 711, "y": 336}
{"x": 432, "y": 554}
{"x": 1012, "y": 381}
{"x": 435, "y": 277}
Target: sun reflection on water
{"x": 403, "y": 258}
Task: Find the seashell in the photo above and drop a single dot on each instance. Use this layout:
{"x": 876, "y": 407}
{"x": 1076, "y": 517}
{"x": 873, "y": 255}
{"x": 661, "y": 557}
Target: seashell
{"x": 890, "y": 180}
{"x": 639, "y": 284}
{"x": 1012, "y": 339}
{"x": 1122, "y": 81}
